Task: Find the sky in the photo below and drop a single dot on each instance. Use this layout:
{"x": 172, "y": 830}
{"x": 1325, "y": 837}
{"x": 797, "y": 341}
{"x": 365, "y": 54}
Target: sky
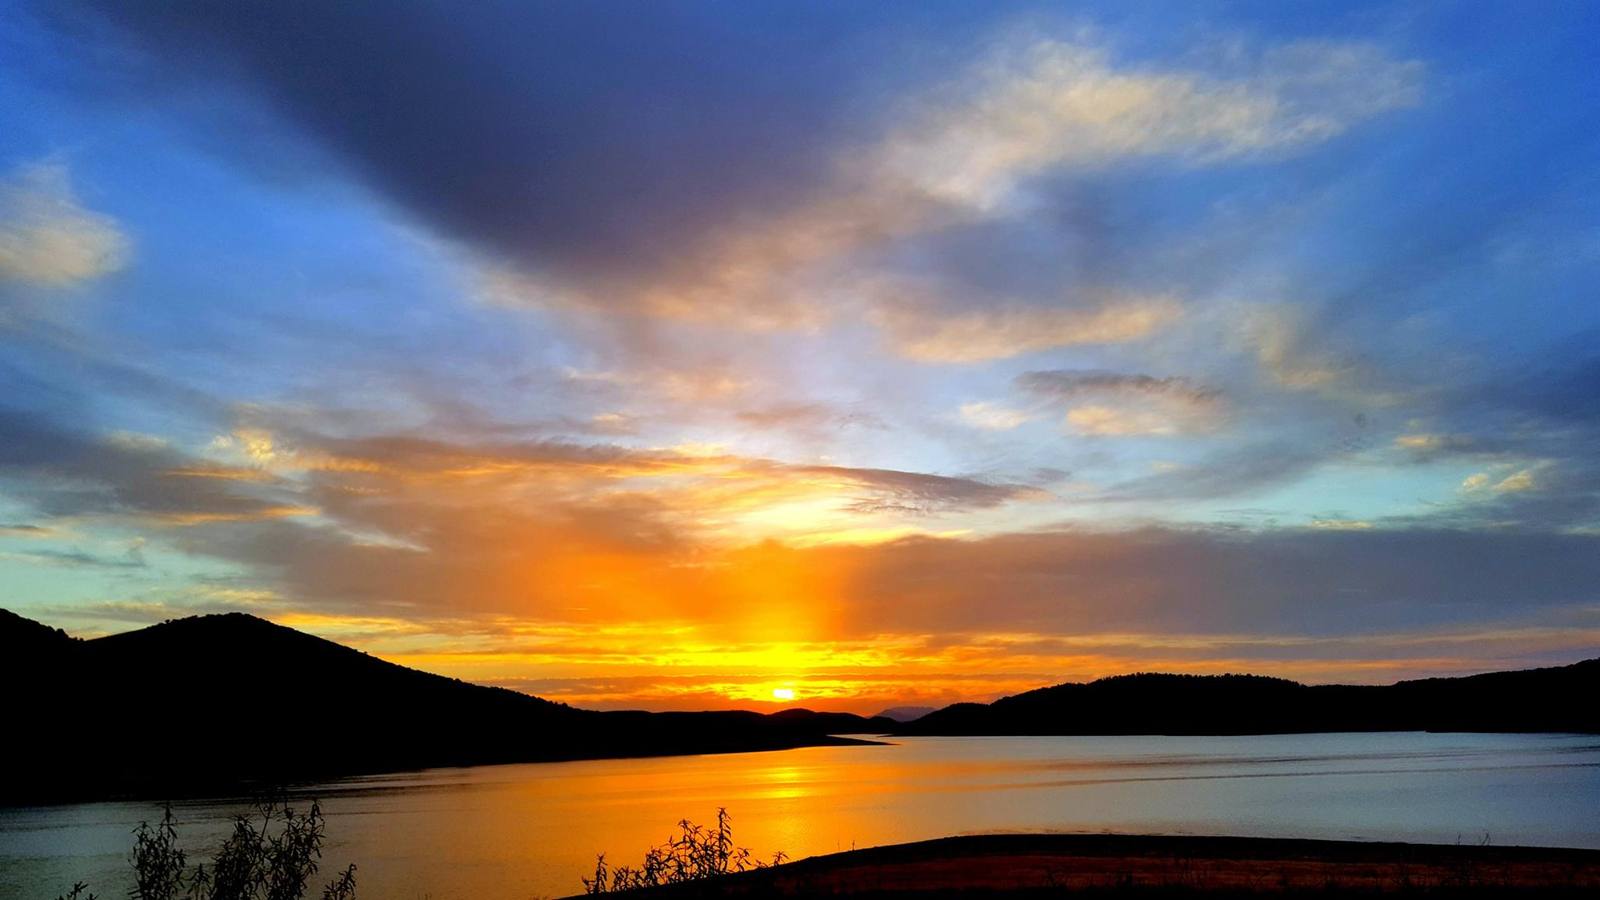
{"x": 669, "y": 355}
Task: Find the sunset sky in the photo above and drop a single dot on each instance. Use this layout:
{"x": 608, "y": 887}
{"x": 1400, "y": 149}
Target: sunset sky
{"x": 668, "y": 355}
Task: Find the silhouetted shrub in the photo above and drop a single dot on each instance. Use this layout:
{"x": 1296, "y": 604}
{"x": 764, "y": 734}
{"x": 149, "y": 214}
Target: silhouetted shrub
{"x": 157, "y": 861}
{"x": 270, "y": 855}
{"x": 696, "y": 852}
{"x": 343, "y": 887}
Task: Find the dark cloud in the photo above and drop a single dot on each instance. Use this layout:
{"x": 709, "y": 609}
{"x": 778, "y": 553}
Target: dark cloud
{"x": 1076, "y": 383}
{"x": 385, "y": 460}
{"x": 61, "y": 472}
{"x": 77, "y": 558}
{"x": 1158, "y": 581}
{"x": 1176, "y": 581}
{"x": 807, "y": 417}
{"x": 574, "y": 140}
{"x": 922, "y": 492}
{"x": 1533, "y": 433}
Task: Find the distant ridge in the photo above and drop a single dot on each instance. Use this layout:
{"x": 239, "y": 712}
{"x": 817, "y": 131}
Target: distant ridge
{"x": 1552, "y": 699}
{"x": 905, "y": 713}
{"x": 210, "y": 703}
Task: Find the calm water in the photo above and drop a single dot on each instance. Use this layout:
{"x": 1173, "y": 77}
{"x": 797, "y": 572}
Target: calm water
{"x": 532, "y": 830}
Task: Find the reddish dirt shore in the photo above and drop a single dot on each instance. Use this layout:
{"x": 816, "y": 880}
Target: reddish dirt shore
{"x": 1118, "y": 865}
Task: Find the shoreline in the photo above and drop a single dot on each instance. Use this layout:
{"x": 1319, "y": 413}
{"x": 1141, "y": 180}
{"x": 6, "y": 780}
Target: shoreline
{"x": 1038, "y": 865}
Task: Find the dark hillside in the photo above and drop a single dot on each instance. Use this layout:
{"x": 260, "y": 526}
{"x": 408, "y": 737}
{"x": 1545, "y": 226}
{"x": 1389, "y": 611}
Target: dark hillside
{"x": 211, "y": 701}
{"x": 1553, "y": 699}
{"x": 24, "y": 639}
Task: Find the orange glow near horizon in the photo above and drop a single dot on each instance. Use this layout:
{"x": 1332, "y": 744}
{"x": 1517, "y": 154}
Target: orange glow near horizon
{"x": 681, "y": 664}
{"x": 685, "y": 666}
{"x": 770, "y": 625}
{"x": 696, "y": 578}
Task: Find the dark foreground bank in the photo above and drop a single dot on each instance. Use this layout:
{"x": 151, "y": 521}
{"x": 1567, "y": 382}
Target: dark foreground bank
{"x": 1046, "y": 865}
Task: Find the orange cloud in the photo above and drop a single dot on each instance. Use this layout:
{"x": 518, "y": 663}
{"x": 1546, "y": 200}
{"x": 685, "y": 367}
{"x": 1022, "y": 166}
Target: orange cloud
{"x": 626, "y": 576}
{"x": 1002, "y": 333}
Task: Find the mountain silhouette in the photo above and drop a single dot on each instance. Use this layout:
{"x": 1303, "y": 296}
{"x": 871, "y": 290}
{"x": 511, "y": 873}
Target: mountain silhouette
{"x": 24, "y": 641}
{"x": 223, "y": 702}
{"x": 1532, "y": 700}
{"x": 905, "y": 713}
{"x": 216, "y": 702}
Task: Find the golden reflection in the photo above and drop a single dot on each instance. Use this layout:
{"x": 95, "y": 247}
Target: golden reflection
{"x": 783, "y": 783}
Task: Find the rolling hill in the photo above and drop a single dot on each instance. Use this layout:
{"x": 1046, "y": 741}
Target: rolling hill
{"x": 211, "y": 702}
{"x": 1552, "y": 699}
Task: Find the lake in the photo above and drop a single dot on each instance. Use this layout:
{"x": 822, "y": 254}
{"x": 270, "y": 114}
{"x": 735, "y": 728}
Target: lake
{"x": 522, "y": 831}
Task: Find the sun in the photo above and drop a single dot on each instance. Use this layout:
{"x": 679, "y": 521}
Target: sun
{"x": 784, "y": 694}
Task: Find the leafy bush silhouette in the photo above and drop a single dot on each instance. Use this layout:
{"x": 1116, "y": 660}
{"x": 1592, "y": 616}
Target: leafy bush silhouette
{"x": 695, "y": 852}
{"x": 157, "y": 862}
{"x": 271, "y": 855}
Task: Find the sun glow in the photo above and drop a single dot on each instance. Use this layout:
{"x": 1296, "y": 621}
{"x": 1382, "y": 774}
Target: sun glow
{"x": 783, "y": 694}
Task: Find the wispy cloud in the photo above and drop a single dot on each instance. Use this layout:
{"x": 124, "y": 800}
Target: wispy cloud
{"x": 1116, "y": 404}
{"x": 1502, "y": 482}
{"x": 1051, "y": 104}
{"x": 994, "y": 417}
{"x": 1070, "y": 384}
{"x": 1007, "y": 331}
{"x": 47, "y": 237}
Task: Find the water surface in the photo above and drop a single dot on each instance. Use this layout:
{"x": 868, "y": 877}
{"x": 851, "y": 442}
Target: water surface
{"x": 532, "y": 830}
